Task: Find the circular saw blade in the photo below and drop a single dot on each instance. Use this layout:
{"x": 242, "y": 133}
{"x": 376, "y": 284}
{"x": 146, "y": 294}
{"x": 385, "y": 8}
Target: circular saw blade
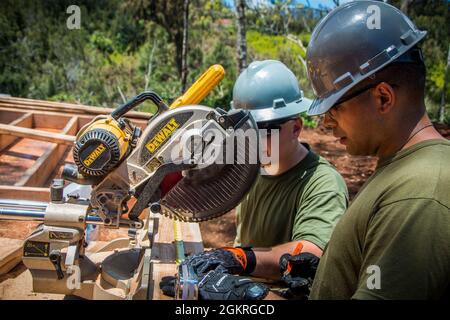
{"x": 210, "y": 192}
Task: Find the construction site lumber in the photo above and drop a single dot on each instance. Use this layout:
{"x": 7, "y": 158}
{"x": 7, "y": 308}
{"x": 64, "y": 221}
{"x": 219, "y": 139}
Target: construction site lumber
{"x": 10, "y": 254}
{"x": 31, "y": 104}
{"x": 36, "y": 134}
{"x": 164, "y": 252}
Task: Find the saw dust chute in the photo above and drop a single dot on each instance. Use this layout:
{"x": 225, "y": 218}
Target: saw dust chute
{"x": 191, "y": 163}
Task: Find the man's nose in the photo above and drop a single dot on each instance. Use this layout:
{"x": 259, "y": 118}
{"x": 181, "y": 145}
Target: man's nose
{"x": 329, "y": 122}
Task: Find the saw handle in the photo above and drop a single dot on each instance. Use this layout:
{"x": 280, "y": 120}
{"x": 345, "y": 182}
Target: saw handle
{"x": 147, "y": 95}
{"x": 202, "y": 87}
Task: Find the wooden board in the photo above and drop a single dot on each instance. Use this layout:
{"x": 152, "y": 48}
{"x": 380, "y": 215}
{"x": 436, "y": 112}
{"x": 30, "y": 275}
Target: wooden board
{"x": 41, "y": 170}
{"x": 36, "y": 137}
{"x": 25, "y": 193}
{"x": 10, "y": 254}
{"x": 56, "y": 124}
{"x": 7, "y": 129}
{"x": 163, "y": 250}
{"x": 31, "y": 104}
{"x": 25, "y": 120}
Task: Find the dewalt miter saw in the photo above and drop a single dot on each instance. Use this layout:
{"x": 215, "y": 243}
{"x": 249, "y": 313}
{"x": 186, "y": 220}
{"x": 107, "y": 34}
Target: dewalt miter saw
{"x": 191, "y": 163}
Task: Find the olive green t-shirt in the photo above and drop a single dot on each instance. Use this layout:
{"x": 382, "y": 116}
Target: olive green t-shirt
{"x": 303, "y": 203}
{"x": 394, "y": 240}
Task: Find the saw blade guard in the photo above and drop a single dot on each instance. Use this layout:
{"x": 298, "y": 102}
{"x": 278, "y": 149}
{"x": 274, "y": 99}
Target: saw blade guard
{"x": 211, "y": 154}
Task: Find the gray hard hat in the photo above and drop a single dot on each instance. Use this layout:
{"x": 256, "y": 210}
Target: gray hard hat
{"x": 270, "y": 91}
{"x": 353, "y": 42}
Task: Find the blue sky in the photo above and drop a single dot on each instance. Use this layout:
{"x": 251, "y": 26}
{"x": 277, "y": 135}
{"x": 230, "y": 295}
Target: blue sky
{"x": 312, "y": 3}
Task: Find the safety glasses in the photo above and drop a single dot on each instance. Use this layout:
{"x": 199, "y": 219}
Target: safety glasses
{"x": 351, "y": 96}
{"x": 271, "y": 126}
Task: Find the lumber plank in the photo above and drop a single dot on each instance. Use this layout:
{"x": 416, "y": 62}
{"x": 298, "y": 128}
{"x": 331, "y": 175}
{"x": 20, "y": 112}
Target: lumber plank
{"x": 83, "y": 118}
{"x": 66, "y": 107}
{"x": 25, "y": 193}
{"x": 13, "y": 108}
{"x": 51, "y": 121}
{"x": 10, "y": 254}
{"x": 41, "y": 170}
{"x": 163, "y": 250}
{"x": 25, "y": 121}
{"x": 7, "y": 117}
{"x": 36, "y": 134}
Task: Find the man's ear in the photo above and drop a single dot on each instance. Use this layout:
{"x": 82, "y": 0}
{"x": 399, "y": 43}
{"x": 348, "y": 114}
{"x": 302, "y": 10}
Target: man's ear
{"x": 385, "y": 97}
{"x": 297, "y": 127}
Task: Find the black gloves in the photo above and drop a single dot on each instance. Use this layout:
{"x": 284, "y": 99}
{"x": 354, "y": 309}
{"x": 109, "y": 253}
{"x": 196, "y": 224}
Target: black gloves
{"x": 167, "y": 285}
{"x": 215, "y": 271}
{"x": 299, "y": 279}
{"x": 228, "y": 260}
{"x": 217, "y": 285}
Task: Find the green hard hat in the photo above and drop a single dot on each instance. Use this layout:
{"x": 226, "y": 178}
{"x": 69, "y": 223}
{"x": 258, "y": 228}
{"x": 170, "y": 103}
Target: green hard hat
{"x": 270, "y": 91}
{"x": 352, "y": 43}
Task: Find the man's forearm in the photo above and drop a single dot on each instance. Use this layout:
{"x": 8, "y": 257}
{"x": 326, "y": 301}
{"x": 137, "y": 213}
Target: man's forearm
{"x": 267, "y": 259}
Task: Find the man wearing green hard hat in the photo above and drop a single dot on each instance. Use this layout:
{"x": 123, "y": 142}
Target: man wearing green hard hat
{"x": 291, "y": 209}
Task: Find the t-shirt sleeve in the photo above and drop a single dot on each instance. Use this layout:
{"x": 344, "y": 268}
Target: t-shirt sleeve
{"x": 406, "y": 252}
{"x": 322, "y": 203}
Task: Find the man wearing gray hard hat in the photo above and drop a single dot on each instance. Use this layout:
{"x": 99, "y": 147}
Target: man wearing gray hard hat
{"x": 369, "y": 78}
{"x": 292, "y": 208}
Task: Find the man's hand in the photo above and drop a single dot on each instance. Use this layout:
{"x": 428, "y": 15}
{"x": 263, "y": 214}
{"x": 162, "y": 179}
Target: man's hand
{"x": 301, "y": 274}
{"x": 217, "y": 285}
{"x": 228, "y": 260}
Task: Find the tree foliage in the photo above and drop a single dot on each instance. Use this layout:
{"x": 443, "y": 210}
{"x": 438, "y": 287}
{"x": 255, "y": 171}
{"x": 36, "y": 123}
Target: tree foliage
{"x": 125, "y": 47}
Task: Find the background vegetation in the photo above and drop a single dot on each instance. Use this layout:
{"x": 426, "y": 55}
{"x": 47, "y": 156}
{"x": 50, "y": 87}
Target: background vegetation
{"x": 125, "y": 47}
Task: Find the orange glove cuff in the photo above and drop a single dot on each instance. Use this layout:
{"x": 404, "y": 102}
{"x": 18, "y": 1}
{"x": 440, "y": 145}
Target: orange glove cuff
{"x": 239, "y": 254}
{"x": 297, "y": 250}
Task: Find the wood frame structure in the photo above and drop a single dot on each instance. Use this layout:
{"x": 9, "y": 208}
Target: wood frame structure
{"x": 19, "y": 118}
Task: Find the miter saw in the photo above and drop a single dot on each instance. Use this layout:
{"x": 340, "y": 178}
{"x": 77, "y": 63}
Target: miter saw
{"x": 191, "y": 163}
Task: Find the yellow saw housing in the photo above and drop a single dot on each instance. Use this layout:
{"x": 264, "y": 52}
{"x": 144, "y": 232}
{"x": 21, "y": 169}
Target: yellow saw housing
{"x": 101, "y": 145}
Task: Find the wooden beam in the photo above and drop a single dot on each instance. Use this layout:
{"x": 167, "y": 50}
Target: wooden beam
{"x": 50, "y": 121}
{"x": 13, "y": 108}
{"x": 83, "y": 118}
{"x": 32, "y": 104}
{"x": 10, "y": 254}
{"x": 7, "y": 117}
{"x": 163, "y": 250}
{"x": 36, "y": 134}
{"x": 26, "y": 121}
{"x": 42, "y": 169}
{"x": 25, "y": 193}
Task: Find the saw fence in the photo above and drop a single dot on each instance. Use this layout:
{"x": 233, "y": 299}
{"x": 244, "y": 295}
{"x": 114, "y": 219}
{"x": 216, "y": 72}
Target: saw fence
{"x": 36, "y": 139}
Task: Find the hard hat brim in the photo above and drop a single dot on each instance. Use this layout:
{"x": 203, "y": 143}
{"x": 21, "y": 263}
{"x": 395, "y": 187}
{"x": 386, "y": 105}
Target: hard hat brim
{"x": 322, "y": 105}
{"x": 288, "y": 111}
